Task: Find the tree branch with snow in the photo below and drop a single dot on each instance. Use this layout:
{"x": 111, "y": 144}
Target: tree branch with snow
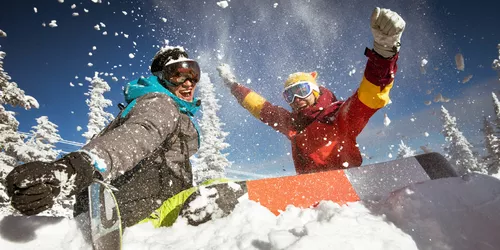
{"x": 210, "y": 162}
{"x": 492, "y": 145}
{"x": 11, "y": 142}
{"x": 405, "y": 151}
{"x": 98, "y": 117}
{"x": 459, "y": 150}
{"x": 41, "y": 145}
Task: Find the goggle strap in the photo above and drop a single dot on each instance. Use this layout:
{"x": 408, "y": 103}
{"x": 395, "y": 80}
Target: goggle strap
{"x": 182, "y": 59}
{"x": 158, "y": 74}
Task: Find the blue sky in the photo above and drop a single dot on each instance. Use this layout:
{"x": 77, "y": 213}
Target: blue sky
{"x": 264, "y": 43}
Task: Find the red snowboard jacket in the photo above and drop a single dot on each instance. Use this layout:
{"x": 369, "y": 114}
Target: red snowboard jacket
{"x": 323, "y": 136}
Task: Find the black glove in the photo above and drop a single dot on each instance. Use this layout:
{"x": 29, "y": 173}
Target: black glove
{"x": 34, "y": 186}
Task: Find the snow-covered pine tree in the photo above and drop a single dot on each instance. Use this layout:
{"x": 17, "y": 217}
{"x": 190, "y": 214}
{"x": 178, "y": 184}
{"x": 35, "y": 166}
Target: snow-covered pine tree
{"x": 492, "y": 145}
{"x": 405, "y": 151}
{"x": 496, "y": 63}
{"x": 210, "y": 162}
{"x": 9, "y": 138}
{"x": 41, "y": 143}
{"x": 496, "y": 120}
{"x": 459, "y": 150}
{"x": 98, "y": 118}
{"x": 496, "y": 107}
{"x": 11, "y": 142}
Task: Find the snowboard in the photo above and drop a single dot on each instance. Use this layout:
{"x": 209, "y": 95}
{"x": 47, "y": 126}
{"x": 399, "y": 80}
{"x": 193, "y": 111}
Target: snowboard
{"x": 100, "y": 224}
{"x": 366, "y": 183}
{"x": 104, "y": 216}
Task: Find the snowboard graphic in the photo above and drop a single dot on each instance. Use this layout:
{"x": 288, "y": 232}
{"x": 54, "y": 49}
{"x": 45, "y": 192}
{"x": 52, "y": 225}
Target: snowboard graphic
{"x": 367, "y": 183}
{"x": 104, "y": 215}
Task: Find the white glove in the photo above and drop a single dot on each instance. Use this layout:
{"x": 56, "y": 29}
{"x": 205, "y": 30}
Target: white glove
{"x": 387, "y": 27}
{"x": 226, "y": 74}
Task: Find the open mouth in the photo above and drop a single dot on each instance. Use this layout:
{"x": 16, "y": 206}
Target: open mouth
{"x": 186, "y": 94}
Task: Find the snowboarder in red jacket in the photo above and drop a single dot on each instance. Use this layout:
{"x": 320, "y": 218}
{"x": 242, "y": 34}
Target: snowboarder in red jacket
{"x": 322, "y": 129}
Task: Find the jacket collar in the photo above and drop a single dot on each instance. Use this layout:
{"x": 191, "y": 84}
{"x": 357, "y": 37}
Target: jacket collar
{"x": 323, "y": 110}
{"x": 143, "y": 86}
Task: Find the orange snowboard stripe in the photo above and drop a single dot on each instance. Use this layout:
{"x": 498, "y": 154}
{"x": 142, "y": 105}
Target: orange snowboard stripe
{"x": 303, "y": 191}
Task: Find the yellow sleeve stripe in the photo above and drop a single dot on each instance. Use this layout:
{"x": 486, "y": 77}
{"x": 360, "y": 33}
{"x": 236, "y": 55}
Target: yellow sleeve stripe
{"x": 371, "y": 95}
{"x": 254, "y": 103}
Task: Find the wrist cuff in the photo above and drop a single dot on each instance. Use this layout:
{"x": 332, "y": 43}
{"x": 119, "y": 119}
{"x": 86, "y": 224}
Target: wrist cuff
{"x": 380, "y": 71}
{"x": 96, "y": 162}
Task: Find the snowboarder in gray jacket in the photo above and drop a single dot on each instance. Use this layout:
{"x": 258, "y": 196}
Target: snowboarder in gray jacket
{"x": 144, "y": 152}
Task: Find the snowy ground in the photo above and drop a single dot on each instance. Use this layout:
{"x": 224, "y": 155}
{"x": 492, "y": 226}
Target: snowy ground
{"x": 453, "y": 213}
{"x": 251, "y": 226}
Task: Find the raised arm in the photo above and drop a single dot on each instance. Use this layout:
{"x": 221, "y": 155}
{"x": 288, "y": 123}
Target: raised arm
{"x": 275, "y": 116}
{"x": 373, "y": 93}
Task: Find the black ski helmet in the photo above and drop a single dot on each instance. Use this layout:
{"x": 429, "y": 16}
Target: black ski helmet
{"x": 162, "y": 57}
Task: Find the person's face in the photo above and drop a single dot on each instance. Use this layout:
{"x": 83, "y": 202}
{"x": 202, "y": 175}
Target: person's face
{"x": 185, "y": 91}
{"x": 299, "y": 104}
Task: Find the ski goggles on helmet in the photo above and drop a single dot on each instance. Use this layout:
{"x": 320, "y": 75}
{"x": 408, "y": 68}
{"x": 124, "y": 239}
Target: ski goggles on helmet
{"x": 176, "y": 73}
{"x": 300, "y": 89}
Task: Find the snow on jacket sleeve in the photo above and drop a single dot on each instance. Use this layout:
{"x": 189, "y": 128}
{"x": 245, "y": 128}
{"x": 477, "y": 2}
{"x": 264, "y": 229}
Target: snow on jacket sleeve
{"x": 372, "y": 94}
{"x": 153, "y": 119}
{"x": 275, "y": 116}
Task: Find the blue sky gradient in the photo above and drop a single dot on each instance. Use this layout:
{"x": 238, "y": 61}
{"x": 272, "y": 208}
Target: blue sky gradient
{"x": 264, "y": 43}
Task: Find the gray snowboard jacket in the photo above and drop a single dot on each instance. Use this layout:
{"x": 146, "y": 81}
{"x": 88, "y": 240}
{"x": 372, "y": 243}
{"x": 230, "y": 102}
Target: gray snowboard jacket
{"x": 144, "y": 152}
